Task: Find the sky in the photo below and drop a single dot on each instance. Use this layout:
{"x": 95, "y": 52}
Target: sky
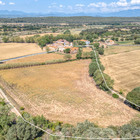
{"x": 69, "y": 6}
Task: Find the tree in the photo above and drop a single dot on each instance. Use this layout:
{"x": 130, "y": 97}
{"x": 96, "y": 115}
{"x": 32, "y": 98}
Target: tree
{"x": 67, "y": 57}
{"x": 22, "y": 131}
{"x": 47, "y": 49}
{"x": 54, "y": 30}
{"x": 41, "y": 43}
{"x": 5, "y": 39}
{"x": 134, "y": 96}
{"x": 93, "y": 67}
{"x": 96, "y": 45}
{"x": 101, "y": 51}
{"x": 102, "y": 40}
{"x": 79, "y": 53}
{"x": 67, "y": 32}
{"x": 86, "y": 55}
{"x": 67, "y": 50}
{"x": 116, "y": 39}
{"x": 137, "y": 41}
{"x": 100, "y": 81}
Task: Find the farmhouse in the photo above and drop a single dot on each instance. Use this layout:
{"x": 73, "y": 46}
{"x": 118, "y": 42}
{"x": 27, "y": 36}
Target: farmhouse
{"x": 109, "y": 42}
{"x": 60, "y": 45}
{"x": 74, "y": 49}
{"x": 86, "y": 41}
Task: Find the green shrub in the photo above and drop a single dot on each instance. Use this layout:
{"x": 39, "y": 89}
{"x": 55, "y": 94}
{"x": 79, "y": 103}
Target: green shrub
{"x": 2, "y": 102}
{"x": 137, "y": 41}
{"x": 67, "y": 50}
{"x": 79, "y": 53}
{"x": 115, "y": 96}
{"x": 22, "y": 108}
{"x": 121, "y": 92}
{"x": 96, "y": 45}
{"x": 134, "y": 96}
{"x": 101, "y": 51}
{"x": 100, "y": 82}
{"x": 93, "y": 67}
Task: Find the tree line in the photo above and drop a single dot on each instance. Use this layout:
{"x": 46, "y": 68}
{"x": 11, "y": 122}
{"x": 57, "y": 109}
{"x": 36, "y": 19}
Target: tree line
{"x": 14, "y": 128}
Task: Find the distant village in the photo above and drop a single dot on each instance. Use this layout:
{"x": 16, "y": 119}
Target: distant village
{"x": 61, "y": 45}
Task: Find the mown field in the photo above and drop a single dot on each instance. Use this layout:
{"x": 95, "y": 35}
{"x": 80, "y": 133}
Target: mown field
{"x": 41, "y": 34}
{"x": 124, "y": 69}
{"x": 65, "y": 92}
{"x": 45, "y": 57}
{"x": 9, "y": 50}
{"x": 87, "y": 49}
{"x": 40, "y": 58}
{"x": 120, "y": 49}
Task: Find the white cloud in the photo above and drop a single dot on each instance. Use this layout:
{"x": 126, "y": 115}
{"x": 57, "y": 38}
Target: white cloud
{"x": 2, "y": 3}
{"x": 79, "y": 5}
{"x": 11, "y": 3}
{"x": 99, "y": 4}
{"x": 135, "y": 1}
{"x": 122, "y": 3}
{"x": 61, "y": 6}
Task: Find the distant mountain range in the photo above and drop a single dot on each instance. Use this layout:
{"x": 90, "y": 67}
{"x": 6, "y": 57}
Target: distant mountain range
{"x": 14, "y": 14}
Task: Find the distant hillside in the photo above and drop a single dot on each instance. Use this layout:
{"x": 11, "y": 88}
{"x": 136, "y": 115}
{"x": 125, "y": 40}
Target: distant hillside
{"x": 73, "y": 20}
{"x": 14, "y": 14}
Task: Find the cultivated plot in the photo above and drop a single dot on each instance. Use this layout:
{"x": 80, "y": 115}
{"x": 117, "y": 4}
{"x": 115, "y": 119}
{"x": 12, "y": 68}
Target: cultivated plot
{"x": 10, "y": 50}
{"x": 120, "y": 49}
{"x": 65, "y": 92}
{"x": 40, "y": 58}
{"x": 124, "y": 69}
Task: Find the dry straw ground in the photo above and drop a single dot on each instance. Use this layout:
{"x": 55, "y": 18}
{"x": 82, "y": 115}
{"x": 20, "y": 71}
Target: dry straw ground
{"x": 124, "y": 68}
{"x": 9, "y": 50}
{"x": 41, "y": 34}
{"x": 120, "y": 49}
{"x": 40, "y": 58}
{"x": 65, "y": 92}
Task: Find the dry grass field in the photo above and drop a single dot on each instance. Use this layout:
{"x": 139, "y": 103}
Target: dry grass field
{"x": 87, "y": 49}
{"x": 124, "y": 68}
{"x": 9, "y": 50}
{"x": 120, "y": 49}
{"x": 40, "y": 58}
{"x": 65, "y": 92}
{"x": 41, "y": 34}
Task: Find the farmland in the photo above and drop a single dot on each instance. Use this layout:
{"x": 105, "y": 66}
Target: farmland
{"x": 65, "y": 92}
{"x": 124, "y": 68}
{"x": 41, "y": 34}
{"x": 39, "y": 58}
{"x": 120, "y": 49}
{"x": 9, "y": 50}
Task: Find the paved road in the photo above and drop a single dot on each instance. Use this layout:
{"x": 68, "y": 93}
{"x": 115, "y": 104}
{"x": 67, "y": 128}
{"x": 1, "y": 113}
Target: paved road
{"x": 5, "y": 60}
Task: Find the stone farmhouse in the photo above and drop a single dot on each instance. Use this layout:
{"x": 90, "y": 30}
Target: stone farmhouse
{"x": 62, "y": 44}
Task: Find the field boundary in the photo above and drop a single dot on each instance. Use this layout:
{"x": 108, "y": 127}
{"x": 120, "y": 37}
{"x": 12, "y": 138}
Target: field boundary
{"x": 31, "y": 64}
{"x": 23, "y": 56}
